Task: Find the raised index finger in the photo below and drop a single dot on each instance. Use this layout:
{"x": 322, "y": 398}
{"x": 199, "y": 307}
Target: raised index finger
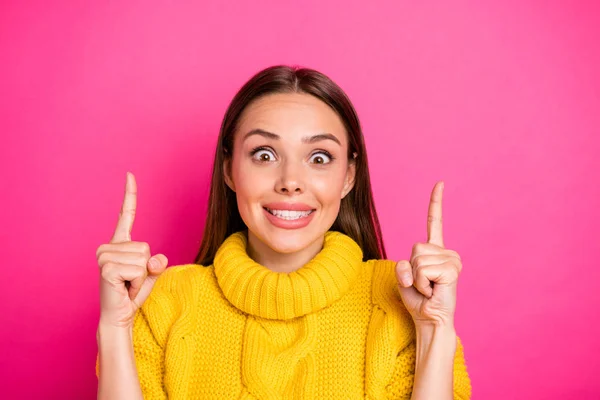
{"x": 434, "y": 217}
{"x": 127, "y": 215}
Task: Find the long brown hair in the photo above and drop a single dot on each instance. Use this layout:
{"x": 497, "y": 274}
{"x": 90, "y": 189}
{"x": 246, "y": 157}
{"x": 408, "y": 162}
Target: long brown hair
{"x": 357, "y": 217}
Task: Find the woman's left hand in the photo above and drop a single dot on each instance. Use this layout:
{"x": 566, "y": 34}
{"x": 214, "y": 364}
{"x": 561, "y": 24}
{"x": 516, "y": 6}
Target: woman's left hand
{"x": 427, "y": 283}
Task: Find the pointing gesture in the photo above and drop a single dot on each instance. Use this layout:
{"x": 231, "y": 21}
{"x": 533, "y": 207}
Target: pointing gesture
{"x": 127, "y": 272}
{"x": 127, "y": 215}
{"x": 427, "y": 282}
{"x": 434, "y": 217}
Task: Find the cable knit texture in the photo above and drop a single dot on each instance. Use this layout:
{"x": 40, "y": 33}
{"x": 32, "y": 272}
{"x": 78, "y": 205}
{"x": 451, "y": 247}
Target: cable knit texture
{"x": 333, "y": 329}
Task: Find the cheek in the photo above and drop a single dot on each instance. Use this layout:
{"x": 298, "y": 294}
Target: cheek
{"x": 250, "y": 184}
{"x": 249, "y": 187}
{"x": 328, "y": 187}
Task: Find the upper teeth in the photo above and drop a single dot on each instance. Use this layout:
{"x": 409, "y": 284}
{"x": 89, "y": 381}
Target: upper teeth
{"x": 289, "y": 214}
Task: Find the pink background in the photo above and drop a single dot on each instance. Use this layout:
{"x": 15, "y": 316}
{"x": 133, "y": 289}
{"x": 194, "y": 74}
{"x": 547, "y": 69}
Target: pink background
{"x": 500, "y": 100}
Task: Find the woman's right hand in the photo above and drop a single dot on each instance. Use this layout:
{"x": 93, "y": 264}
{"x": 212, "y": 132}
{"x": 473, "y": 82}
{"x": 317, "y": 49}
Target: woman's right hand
{"x": 127, "y": 271}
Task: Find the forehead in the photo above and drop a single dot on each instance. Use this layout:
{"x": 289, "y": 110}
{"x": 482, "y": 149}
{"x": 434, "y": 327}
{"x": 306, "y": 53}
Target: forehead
{"x": 289, "y": 114}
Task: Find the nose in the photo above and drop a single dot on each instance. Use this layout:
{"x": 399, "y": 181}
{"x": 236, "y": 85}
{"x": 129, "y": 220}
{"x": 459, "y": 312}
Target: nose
{"x": 290, "y": 180}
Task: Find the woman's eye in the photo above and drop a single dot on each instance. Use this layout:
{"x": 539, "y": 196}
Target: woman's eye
{"x": 321, "y": 158}
{"x": 263, "y": 155}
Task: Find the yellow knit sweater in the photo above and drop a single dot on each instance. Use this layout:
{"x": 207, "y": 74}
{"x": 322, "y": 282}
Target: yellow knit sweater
{"x": 333, "y": 329}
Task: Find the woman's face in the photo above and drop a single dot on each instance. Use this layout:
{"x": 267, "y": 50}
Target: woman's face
{"x": 289, "y": 169}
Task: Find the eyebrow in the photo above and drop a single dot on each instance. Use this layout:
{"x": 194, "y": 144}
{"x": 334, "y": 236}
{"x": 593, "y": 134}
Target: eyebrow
{"x": 306, "y": 139}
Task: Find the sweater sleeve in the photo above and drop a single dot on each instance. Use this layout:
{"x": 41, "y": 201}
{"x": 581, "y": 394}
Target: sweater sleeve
{"x": 391, "y": 344}
{"x": 149, "y": 359}
{"x": 151, "y": 326}
{"x": 404, "y": 374}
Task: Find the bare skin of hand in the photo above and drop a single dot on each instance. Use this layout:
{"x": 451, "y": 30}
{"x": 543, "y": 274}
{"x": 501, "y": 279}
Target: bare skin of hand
{"x": 427, "y": 282}
{"x": 127, "y": 269}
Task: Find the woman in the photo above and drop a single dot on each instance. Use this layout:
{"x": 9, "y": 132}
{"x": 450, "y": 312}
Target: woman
{"x": 291, "y": 296}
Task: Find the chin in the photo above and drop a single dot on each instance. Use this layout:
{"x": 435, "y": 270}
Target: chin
{"x": 286, "y": 241}
{"x": 289, "y": 241}
{"x": 286, "y": 248}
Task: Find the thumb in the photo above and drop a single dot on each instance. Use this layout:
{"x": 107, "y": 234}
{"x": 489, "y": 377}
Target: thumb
{"x": 156, "y": 266}
{"x": 404, "y": 273}
{"x": 409, "y": 294}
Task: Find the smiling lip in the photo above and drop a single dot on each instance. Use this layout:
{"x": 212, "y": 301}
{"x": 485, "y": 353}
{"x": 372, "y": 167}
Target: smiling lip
{"x": 289, "y": 223}
{"x": 288, "y": 206}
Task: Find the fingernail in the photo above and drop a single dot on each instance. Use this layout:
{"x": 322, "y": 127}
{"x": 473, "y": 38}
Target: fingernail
{"x": 153, "y": 263}
{"x": 405, "y": 280}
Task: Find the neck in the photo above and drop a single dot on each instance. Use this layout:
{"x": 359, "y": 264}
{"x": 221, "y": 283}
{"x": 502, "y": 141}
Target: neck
{"x": 281, "y": 262}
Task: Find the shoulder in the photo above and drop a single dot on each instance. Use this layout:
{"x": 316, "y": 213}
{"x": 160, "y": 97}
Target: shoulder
{"x": 174, "y": 288}
{"x": 382, "y": 269}
{"x": 173, "y": 277}
{"x": 179, "y": 284}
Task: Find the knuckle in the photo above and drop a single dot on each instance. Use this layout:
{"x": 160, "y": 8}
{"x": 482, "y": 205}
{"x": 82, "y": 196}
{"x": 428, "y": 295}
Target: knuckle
{"x": 140, "y": 269}
{"x": 417, "y": 263}
{"x": 142, "y": 260}
{"x": 459, "y": 266}
{"x": 144, "y": 247}
{"x": 419, "y": 248}
{"x": 100, "y": 250}
{"x": 108, "y": 270}
{"x": 453, "y": 264}
{"x": 418, "y": 271}
{"x": 102, "y": 259}
{"x": 451, "y": 271}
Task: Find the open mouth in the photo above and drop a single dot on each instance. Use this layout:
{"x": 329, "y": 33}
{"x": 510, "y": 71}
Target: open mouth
{"x": 289, "y": 215}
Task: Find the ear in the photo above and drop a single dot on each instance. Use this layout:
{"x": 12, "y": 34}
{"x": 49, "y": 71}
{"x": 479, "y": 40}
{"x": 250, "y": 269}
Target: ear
{"x": 227, "y": 173}
{"x": 350, "y": 176}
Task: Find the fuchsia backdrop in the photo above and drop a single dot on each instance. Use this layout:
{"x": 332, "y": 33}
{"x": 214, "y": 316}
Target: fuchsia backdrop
{"x": 498, "y": 99}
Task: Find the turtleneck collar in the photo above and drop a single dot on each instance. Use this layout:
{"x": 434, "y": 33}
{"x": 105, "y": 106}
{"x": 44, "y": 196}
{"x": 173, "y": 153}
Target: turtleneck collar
{"x": 256, "y": 290}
